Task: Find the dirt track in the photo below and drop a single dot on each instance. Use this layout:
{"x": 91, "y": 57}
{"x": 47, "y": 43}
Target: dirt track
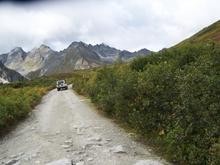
{"x": 65, "y": 128}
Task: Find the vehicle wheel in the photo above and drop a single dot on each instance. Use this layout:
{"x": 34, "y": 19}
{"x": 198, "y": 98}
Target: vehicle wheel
{"x": 58, "y": 89}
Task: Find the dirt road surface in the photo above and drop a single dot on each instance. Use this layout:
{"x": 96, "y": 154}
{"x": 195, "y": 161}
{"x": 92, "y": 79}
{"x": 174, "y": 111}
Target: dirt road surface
{"x": 66, "y": 129}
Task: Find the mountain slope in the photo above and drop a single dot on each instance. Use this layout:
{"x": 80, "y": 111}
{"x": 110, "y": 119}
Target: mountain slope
{"x": 3, "y": 58}
{"x": 40, "y": 58}
{"x": 210, "y": 33}
{"x": 77, "y": 56}
{"x": 8, "y": 75}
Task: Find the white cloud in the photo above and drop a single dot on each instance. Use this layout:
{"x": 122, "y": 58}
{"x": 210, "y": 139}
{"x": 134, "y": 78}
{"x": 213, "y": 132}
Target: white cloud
{"x": 125, "y": 24}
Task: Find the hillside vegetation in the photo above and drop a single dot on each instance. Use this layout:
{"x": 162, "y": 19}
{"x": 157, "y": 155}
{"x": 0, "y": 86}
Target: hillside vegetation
{"x": 208, "y": 34}
{"x": 171, "y": 97}
{"x": 17, "y": 99}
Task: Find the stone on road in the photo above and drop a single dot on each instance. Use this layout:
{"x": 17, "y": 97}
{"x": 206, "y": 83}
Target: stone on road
{"x": 148, "y": 162}
{"x": 118, "y": 149}
{"x": 63, "y": 129}
{"x": 60, "y": 162}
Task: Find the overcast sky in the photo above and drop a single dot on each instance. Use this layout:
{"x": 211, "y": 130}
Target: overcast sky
{"x": 124, "y": 24}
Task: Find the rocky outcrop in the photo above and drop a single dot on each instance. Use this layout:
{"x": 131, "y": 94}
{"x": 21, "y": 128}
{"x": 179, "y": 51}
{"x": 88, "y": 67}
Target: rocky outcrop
{"x": 8, "y": 75}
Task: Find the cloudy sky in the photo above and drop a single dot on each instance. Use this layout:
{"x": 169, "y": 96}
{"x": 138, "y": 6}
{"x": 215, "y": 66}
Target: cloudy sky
{"x": 124, "y": 24}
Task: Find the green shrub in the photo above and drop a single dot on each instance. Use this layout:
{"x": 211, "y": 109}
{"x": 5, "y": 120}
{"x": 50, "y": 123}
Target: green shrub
{"x": 17, "y": 99}
{"x": 172, "y": 95}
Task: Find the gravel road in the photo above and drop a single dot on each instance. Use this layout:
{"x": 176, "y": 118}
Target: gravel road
{"x": 66, "y": 129}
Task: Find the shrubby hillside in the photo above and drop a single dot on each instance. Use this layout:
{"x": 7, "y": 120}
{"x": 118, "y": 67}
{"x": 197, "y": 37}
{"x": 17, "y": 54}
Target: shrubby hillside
{"x": 171, "y": 97}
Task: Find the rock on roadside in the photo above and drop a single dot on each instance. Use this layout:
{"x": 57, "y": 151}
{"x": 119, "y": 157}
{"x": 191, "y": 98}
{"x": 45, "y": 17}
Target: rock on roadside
{"x": 148, "y": 162}
{"x": 118, "y": 149}
{"x": 63, "y": 161}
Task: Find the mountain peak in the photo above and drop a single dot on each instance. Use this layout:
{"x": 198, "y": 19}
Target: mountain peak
{"x": 76, "y": 44}
{"x": 103, "y": 44}
{"x": 45, "y": 48}
{"x": 42, "y": 46}
{"x": 17, "y": 49}
{"x": 17, "y": 52}
{"x": 143, "y": 51}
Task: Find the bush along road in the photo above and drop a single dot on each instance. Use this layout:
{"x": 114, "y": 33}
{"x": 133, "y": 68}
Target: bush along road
{"x": 170, "y": 97}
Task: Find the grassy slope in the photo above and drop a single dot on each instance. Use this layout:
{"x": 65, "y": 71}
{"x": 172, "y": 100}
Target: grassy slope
{"x": 208, "y": 34}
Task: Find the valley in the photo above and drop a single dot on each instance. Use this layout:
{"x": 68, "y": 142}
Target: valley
{"x": 170, "y": 98}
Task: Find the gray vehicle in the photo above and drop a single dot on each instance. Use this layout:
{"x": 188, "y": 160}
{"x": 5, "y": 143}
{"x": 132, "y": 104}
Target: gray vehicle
{"x": 61, "y": 85}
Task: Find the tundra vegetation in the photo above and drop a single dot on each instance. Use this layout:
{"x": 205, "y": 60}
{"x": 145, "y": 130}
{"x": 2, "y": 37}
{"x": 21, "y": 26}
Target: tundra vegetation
{"x": 170, "y": 97}
{"x": 17, "y": 99}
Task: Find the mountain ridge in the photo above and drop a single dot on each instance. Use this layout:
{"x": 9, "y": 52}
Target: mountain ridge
{"x": 43, "y": 60}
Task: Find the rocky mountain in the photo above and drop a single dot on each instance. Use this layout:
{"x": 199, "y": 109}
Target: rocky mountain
{"x": 8, "y": 75}
{"x": 78, "y": 55}
{"x": 33, "y": 60}
{"x": 14, "y": 59}
{"x": 110, "y": 54}
{"x": 126, "y": 55}
{"x": 3, "y": 58}
{"x": 106, "y": 53}
{"x": 41, "y": 59}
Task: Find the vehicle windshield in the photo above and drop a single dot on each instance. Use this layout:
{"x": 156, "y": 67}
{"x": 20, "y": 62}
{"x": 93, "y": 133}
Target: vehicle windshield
{"x": 60, "y": 82}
